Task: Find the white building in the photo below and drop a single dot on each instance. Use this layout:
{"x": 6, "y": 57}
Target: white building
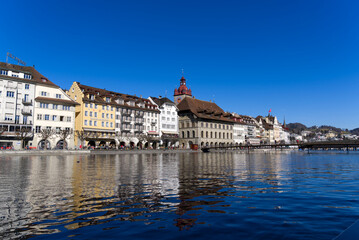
{"x": 53, "y": 110}
{"x": 168, "y": 121}
{"x": 19, "y": 86}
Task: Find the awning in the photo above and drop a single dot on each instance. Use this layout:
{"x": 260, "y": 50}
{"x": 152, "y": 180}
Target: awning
{"x": 98, "y": 130}
{"x": 152, "y": 133}
{"x": 170, "y": 133}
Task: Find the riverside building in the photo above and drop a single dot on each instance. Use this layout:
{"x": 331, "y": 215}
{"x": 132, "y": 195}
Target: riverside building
{"x": 20, "y": 89}
{"x": 201, "y": 123}
{"x": 168, "y": 121}
{"x": 109, "y": 119}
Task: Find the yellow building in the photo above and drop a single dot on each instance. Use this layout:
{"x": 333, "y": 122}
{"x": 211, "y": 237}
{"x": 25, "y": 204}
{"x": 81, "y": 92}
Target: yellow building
{"x": 94, "y": 116}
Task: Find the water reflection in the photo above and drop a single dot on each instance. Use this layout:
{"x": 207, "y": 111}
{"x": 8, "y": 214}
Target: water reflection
{"x": 188, "y": 193}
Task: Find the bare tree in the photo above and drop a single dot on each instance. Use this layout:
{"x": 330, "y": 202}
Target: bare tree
{"x": 63, "y": 134}
{"x": 24, "y": 133}
{"x": 2, "y": 130}
{"x": 46, "y": 133}
{"x": 82, "y": 136}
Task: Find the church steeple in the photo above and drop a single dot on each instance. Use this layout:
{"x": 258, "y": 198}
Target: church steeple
{"x": 182, "y": 91}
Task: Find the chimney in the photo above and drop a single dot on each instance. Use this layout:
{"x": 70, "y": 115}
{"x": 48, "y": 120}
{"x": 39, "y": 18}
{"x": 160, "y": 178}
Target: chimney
{"x": 159, "y": 97}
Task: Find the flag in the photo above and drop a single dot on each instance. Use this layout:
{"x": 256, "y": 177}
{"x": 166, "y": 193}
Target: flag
{"x": 270, "y": 110}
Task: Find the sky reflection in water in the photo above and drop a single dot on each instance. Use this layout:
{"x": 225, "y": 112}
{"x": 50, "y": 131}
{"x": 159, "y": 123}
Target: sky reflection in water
{"x": 169, "y": 196}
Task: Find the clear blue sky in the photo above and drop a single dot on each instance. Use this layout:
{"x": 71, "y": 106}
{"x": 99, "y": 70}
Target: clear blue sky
{"x": 298, "y": 58}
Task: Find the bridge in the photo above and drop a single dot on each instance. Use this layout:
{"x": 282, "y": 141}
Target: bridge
{"x": 323, "y": 145}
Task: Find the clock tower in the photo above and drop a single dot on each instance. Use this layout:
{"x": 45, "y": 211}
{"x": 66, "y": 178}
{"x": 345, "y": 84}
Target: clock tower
{"x": 182, "y": 92}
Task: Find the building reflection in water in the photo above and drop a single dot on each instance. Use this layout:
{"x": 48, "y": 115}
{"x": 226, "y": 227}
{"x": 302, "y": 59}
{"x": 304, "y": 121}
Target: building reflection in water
{"x": 44, "y": 194}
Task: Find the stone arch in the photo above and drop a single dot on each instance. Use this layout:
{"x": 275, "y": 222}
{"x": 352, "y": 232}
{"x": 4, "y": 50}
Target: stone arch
{"x": 61, "y": 144}
{"x": 44, "y": 144}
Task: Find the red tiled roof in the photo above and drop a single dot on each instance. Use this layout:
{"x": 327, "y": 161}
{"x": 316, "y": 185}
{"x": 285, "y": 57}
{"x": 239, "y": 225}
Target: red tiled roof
{"x": 203, "y": 109}
{"x": 36, "y": 77}
{"x": 100, "y": 94}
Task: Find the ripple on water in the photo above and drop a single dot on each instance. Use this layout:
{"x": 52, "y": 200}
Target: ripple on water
{"x": 174, "y": 196}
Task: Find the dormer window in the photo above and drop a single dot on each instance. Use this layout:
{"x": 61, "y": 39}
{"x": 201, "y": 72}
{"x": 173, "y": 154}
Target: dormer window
{"x": 107, "y": 99}
{"x": 3, "y": 72}
{"x": 27, "y": 76}
{"x": 15, "y": 74}
{"x": 92, "y": 97}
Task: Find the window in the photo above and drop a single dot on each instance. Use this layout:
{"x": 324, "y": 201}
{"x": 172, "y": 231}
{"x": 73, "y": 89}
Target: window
{"x": 10, "y": 94}
{"x": 27, "y": 76}
{"x": 38, "y": 129}
{"x": 39, "y": 116}
{"x": 111, "y": 116}
{"x": 58, "y": 96}
{"x": 95, "y": 114}
{"x": 103, "y": 124}
{"x": 111, "y": 124}
{"x": 3, "y": 72}
{"x": 66, "y": 108}
{"x": 27, "y": 86}
{"x": 92, "y": 97}
{"x": 111, "y": 108}
{"x": 95, "y": 106}
{"x": 86, "y": 105}
{"x": 95, "y": 123}
{"x": 103, "y": 115}
{"x": 107, "y": 99}
{"x": 44, "y": 105}
{"x": 106, "y": 124}
{"x": 61, "y": 118}
{"x": 58, "y": 129}
{"x": 107, "y": 115}
{"x": 91, "y": 105}
{"x": 43, "y": 93}
{"x": 68, "y": 119}
{"x": 55, "y": 106}
{"x": 47, "y": 117}
{"x": 14, "y": 74}
{"x": 103, "y": 107}
{"x": 54, "y": 117}
{"x": 107, "y": 107}
{"x": 85, "y": 122}
{"x": 90, "y": 114}
{"x": 85, "y": 113}
{"x": 90, "y": 123}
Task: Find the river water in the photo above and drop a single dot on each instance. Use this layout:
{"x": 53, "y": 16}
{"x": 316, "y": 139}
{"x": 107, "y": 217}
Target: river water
{"x": 283, "y": 195}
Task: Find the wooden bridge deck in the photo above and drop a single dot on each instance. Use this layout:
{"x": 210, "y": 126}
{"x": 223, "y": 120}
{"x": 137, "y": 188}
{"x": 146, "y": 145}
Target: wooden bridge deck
{"x": 345, "y": 144}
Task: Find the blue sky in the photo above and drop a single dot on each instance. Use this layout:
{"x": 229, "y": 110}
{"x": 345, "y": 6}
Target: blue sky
{"x": 298, "y": 58}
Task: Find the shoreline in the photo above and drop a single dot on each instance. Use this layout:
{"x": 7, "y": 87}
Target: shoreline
{"x": 114, "y": 152}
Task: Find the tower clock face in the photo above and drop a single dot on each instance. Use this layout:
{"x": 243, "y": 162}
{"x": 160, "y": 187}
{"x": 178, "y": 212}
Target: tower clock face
{"x": 179, "y": 99}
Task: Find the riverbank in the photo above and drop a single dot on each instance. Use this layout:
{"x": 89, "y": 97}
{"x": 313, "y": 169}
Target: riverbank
{"x": 86, "y": 152}
{"x": 151, "y": 151}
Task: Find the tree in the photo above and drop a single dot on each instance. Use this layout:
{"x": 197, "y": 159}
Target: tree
{"x": 82, "y": 136}
{"x": 24, "y": 133}
{"x": 46, "y": 134}
{"x": 63, "y": 134}
{"x": 2, "y": 130}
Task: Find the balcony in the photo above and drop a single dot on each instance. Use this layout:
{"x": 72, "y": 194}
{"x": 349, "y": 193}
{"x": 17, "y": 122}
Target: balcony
{"x": 128, "y": 119}
{"x": 26, "y": 101}
{"x": 26, "y": 112}
{"x": 126, "y": 113}
{"x": 138, "y": 130}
